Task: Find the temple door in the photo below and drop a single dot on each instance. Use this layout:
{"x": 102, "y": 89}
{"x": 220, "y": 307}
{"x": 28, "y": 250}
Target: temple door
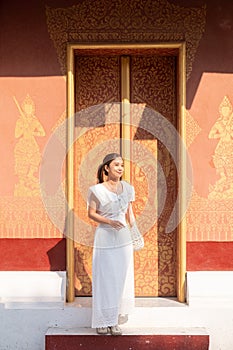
{"x": 100, "y": 81}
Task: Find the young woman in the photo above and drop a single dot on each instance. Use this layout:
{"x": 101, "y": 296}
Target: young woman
{"x": 109, "y": 204}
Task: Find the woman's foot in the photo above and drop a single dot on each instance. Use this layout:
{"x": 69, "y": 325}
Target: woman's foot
{"x": 102, "y": 330}
{"x": 115, "y": 330}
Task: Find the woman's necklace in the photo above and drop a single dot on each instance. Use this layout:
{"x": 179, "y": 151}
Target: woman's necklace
{"x": 117, "y": 189}
{"x": 113, "y": 188}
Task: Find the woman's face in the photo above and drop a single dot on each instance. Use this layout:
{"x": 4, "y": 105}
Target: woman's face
{"x": 115, "y": 168}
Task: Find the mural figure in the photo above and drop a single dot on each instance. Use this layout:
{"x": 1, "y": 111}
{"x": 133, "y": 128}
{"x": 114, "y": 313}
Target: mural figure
{"x": 27, "y": 152}
{"x": 223, "y": 155}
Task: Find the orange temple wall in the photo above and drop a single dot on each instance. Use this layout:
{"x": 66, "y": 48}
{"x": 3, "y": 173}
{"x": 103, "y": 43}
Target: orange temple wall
{"x": 32, "y": 76}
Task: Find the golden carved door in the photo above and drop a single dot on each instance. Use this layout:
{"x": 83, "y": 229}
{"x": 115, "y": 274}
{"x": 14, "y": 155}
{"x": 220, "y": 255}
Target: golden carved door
{"x": 99, "y": 81}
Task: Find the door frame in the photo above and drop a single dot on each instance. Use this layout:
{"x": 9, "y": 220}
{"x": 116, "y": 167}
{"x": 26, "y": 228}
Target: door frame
{"x": 181, "y": 128}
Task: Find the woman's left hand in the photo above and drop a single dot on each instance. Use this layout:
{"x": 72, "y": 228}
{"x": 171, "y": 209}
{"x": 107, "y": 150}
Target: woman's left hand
{"x": 116, "y": 224}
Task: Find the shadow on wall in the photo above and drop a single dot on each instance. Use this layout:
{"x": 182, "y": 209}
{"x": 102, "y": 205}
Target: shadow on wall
{"x": 57, "y": 256}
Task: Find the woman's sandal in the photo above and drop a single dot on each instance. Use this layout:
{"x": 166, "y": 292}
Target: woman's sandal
{"x": 115, "y": 330}
{"x": 102, "y": 330}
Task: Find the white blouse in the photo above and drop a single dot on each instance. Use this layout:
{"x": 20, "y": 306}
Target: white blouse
{"x": 109, "y": 204}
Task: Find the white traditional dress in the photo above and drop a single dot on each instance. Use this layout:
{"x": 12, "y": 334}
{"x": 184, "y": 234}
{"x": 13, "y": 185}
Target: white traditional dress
{"x": 112, "y": 265}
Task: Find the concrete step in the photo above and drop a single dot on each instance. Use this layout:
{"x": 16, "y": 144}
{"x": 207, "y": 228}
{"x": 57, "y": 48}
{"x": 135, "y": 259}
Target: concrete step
{"x": 132, "y": 339}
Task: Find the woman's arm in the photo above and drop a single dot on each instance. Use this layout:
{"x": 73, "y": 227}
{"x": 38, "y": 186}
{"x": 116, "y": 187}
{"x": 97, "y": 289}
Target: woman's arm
{"x": 92, "y": 214}
{"x": 130, "y": 215}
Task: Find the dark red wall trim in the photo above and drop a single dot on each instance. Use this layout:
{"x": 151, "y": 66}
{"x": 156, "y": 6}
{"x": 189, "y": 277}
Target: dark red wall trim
{"x": 209, "y": 256}
{"x": 33, "y": 254}
{"x": 50, "y": 255}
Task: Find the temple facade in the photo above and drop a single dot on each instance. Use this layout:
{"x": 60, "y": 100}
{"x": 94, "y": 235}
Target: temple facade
{"x": 152, "y": 80}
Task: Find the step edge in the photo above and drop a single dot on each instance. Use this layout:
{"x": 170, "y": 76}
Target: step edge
{"x": 85, "y": 331}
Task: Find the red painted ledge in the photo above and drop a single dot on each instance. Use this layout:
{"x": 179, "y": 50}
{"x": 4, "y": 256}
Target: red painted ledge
{"x": 126, "y": 342}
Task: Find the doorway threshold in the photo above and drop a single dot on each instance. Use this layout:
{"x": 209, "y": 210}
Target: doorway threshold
{"x": 144, "y": 302}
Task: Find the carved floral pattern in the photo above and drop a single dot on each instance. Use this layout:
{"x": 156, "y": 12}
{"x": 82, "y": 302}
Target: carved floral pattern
{"x": 157, "y": 88}
{"x": 192, "y": 129}
{"x": 128, "y": 21}
{"x": 93, "y": 89}
{"x": 25, "y": 217}
{"x": 209, "y": 220}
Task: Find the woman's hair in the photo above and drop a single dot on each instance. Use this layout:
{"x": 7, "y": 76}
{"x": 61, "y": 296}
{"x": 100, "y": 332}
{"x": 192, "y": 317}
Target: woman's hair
{"x": 106, "y": 161}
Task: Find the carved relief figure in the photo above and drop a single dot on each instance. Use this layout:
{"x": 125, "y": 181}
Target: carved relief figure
{"x": 223, "y": 155}
{"x": 27, "y": 153}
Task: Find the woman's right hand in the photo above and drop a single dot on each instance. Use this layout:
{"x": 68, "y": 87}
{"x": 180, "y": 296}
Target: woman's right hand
{"x": 116, "y": 224}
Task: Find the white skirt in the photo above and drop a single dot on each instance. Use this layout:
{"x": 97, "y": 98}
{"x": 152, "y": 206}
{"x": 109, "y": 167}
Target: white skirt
{"x": 112, "y": 276}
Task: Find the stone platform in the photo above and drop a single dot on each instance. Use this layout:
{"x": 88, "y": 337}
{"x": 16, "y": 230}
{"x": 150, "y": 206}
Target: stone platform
{"x": 132, "y": 339}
